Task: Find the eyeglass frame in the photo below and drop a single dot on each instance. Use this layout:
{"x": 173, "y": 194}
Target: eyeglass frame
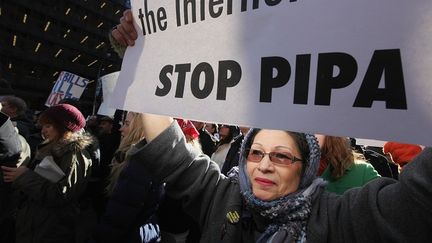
{"x": 293, "y": 159}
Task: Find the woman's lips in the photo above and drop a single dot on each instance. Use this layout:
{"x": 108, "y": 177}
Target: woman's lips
{"x": 264, "y": 182}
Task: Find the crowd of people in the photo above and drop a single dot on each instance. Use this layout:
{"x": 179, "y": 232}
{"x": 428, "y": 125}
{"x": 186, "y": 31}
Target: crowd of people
{"x": 138, "y": 177}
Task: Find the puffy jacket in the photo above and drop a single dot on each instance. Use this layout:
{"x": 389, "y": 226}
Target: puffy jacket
{"x": 48, "y": 210}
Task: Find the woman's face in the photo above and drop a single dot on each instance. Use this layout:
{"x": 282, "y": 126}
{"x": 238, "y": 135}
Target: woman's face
{"x": 125, "y": 128}
{"x": 271, "y": 181}
{"x": 49, "y": 132}
{"x": 224, "y": 132}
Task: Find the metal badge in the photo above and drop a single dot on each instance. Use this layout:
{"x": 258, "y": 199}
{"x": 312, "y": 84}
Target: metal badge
{"x": 233, "y": 217}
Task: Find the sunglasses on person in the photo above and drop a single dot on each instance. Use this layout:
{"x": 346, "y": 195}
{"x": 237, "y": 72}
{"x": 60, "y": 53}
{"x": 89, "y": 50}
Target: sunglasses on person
{"x": 279, "y": 158}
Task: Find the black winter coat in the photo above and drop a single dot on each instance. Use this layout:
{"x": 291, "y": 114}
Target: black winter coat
{"x": 374, "y": 213}
{"x": 10, "y": 148}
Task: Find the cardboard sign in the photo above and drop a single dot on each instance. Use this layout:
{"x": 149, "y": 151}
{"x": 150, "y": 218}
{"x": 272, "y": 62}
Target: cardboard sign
{"x": 108, "y": 83}
{"x": 340, "y": 67}
{"x": 67, "y": 86}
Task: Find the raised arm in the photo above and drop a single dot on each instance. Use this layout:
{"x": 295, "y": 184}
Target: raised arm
{"x": 189, "y": 174}
{"x": 124, "y": 33}
{"x": 384, "y": 210}
{"x": 155, "y": 125}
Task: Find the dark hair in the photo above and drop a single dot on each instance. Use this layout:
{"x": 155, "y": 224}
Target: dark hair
{"x": 233, "y": 132}
{"x": 45, "y": 119}
{"x": 16, "y": 102}
{"x": 215, "y": 127}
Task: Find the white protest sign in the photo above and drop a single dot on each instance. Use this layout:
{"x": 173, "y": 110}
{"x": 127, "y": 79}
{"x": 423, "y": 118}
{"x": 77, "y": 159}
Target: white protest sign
{"x": 340, "y": 67}
{"x": 370, "y": 142}
{"x": 108, "y": 83}
{"x": 67, "y": 86}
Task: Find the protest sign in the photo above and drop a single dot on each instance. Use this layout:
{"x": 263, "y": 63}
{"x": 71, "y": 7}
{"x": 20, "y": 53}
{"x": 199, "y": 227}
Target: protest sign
{"x": 340, "y": 67}
{"x": 108, "y": 83}
{"x": 67, "y": 86}
{"x": 370, "y": 142}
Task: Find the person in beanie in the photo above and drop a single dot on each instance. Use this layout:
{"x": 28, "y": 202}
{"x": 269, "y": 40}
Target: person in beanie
{"x": 53, "y": 182}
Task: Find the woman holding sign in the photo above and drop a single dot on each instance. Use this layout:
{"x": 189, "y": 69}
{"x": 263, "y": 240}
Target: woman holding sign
{"x": 275, "y": 196}
{"x": 52, "y": 184}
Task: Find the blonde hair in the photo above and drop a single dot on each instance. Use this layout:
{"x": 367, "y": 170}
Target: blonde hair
{"x": 118, "y": 163}
{"x": 195, "y": 143}
{"x": 136, "y": 134}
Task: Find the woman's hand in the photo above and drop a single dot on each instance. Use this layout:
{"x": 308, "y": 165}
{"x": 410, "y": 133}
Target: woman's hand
{"x": 10, "y": 173}
{"x": 125, "y": 33}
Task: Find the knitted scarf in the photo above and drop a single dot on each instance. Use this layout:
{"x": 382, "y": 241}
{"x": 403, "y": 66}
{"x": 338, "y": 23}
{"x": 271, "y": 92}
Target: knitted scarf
{"x": 288, "y": 215}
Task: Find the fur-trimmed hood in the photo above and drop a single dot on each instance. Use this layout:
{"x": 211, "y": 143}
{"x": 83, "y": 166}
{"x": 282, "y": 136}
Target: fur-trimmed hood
{"x": 75, "y": 142}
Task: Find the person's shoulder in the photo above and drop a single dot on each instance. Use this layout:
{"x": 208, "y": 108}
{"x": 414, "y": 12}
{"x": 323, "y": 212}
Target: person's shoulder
{"x": 362, "y": 165}
{"x": 367, "y": 170}
{"x": 77, "y": 142}
{"x": 204, "y": 134}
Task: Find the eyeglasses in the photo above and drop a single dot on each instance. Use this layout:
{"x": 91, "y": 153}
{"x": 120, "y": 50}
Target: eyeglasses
{"x": 279, "y": 158}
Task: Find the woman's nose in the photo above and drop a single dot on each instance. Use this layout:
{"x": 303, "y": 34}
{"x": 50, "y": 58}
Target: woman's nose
{"x": 265, "y": 164}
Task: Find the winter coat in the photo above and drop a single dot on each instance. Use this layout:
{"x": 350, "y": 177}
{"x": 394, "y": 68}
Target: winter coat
{"x": 48, "y": 210}
{"x": 232, "y": 158}
{"x": 357, "y": 175}
{"x": 207, "y": 141}
{"x": 381, "y": 163}
{"x": 373, "y": 213}
{"x": 10, "y": 150}
{"x": 14, "y": 151}
{"x": 220, "y": 154}
{"x": 132, "y": 204}
{"x": 137, "y": 201}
